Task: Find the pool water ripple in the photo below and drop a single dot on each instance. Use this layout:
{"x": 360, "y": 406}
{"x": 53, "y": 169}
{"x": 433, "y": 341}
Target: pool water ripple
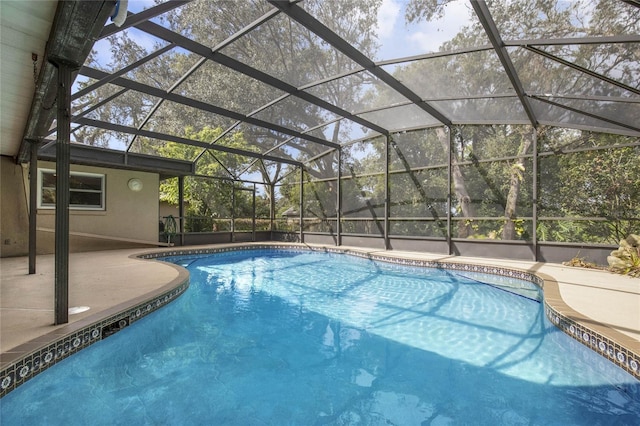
{"x": 322, "y": 339}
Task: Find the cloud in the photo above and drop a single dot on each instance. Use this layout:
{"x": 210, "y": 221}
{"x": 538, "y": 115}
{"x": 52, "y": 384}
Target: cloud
{"x": 429, "y": 36}
{"x": 387, "y": 16}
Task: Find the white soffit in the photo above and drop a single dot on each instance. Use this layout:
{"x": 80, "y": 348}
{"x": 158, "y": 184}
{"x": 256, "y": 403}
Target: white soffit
{"x": 24, "y": 29}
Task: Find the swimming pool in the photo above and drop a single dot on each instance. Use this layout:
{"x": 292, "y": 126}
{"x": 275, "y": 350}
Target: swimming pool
{"x": 279, "y": 337}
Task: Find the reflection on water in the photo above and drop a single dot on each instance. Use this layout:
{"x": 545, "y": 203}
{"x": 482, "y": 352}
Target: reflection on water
{"x": 315, "y": 339}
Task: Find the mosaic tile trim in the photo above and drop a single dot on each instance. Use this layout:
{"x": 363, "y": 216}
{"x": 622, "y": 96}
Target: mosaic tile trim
{"x": 621, "y": 356}
{"x": 38, "y": 361}
{"x": 609, "y": 349}
{"x": 265, "y": 248}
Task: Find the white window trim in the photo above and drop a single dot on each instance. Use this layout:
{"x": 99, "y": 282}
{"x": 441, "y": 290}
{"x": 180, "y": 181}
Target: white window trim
{"x": 102, "y": 177}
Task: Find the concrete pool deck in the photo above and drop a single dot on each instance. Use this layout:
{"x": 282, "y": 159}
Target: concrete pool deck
{"x": 108, "y": 280}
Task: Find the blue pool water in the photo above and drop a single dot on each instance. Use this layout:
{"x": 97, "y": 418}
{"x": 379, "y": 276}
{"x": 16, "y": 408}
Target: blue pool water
{"x": 284, "y": 338}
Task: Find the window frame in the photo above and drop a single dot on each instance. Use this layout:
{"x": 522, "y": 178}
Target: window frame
{"x": 94, "y": 207}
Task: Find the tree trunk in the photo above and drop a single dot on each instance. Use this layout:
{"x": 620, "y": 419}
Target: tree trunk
{"x": 517, "y": 169}
{"x": 460, "y": 189}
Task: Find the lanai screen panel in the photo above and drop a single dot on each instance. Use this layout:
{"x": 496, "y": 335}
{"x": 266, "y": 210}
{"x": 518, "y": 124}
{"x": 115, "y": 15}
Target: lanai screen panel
{"x": 221, "y": 86}
{"x": 284, "y": 49}
{"x": 358, "y": 92}
{"x": 419, "y": 149}
{"x": 295, "y": 114}
{"x": 211, "y": 22}
{"x": 563, "y": 19}
{"x": 230, "y": 85}
{"x": 492, "y": 182}
{"x": 588, "y": 188}
{"x": 402, "y": 29}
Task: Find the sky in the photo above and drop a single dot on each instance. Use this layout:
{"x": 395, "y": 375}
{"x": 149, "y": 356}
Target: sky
{"x": 399, "y": 40}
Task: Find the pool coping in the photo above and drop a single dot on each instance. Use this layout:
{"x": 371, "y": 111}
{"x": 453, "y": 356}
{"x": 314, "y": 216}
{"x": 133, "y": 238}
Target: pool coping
{"x": 31, "y": 358}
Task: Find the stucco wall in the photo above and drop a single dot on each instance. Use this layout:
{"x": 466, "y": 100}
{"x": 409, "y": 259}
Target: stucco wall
{"x": 128, "y": 215}
{"x": 14, "y": 213}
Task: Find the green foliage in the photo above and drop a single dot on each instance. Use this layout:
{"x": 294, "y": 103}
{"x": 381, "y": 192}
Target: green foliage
{"x": 210, "y": 198}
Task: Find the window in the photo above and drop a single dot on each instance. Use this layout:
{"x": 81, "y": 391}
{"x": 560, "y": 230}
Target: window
{"x": 86, "y": 190}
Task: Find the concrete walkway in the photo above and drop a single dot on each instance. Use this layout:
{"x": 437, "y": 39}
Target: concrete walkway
{"x": 102, "y": 280}
{"x": 98, "y": 280}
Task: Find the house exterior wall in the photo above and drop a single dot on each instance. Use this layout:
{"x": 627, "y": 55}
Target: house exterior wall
{"x": 128, "y": 215}
{"x": 14, "y": 209}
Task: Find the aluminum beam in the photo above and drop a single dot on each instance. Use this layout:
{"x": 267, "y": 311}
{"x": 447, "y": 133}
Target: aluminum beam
{"x": 589, "y": 114}
{"x": 204, "y": 51}
{"x": 161, "y": 136}
{"x": 122, "y": 72}
{"x": 583, "y": 70}
{"x": 153, "y": 91}
{"x": 491, "y": 29}
{"x": 301, "y": 16}
{"x": 63, "y": 172}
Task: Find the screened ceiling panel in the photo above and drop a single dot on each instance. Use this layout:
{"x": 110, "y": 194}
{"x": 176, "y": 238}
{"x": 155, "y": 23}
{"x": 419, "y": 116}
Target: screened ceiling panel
{"x": 617, "y": 61}
{"x": 136, "y": 106}
{"x": 175, "y": 119}
{"x": 231, "y": 90}
{"x": 294, "y": 63}
{"x": 222, "y": 164}
{"x": 135, "y": 44}
{"x": 487, "y": 110}
{"x": 428, "y": 31}
{"x": 455, "y": 76}
{"x": 357, "y": 92}
{"x": 293, "y": 80}
{"x": 211, "y": 22}
{"x": 165, "y": 70}
{"x": 290, "y": 151}
{"x": 626, "y": 113}
{"x": 558, "y": 116}
{"x": 83, "y": 103}
{"x": 295, "y": 114}
{"x": 400, "y": 117}
{"x": 563, "y": 18}
{"x": 340, "y": 131}
{"x": 540, "y": 75}
{"x": 302, "y": 150}
{"x": 257, "y": 139}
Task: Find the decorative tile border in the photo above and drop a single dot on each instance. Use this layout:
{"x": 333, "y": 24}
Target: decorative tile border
{"x": 35, "y": 362}
{"x": 611, "y": 350}
{"x": 39, "y": 360}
